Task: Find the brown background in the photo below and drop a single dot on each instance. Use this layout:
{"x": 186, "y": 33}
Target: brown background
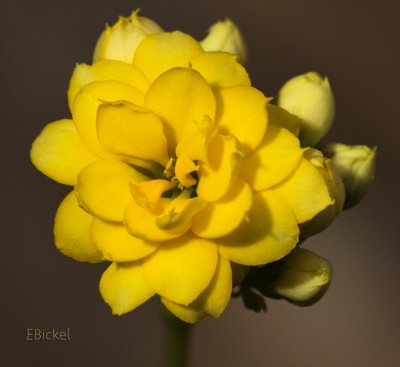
{"x": 355, "y": 43}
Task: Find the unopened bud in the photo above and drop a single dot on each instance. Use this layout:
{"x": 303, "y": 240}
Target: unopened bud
{"x": 120, "y": 41}
{"x": 356, "y": 165}
{"x": 224, "y": 35}
{"x": 336, "y": 189}
{"x": 304, "y": 277}
{"x": 309, "y": 96}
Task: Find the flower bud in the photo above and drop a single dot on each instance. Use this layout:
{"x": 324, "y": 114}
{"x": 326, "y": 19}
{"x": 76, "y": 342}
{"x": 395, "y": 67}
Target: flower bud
{"x": 304, "y": 277}
{"x": 120, "y": 41}
{"x": 309, "y": 96}
{"x": 336, "y": 189}
{"x": 356, "y": 165}
{"x": 224, "y": 35}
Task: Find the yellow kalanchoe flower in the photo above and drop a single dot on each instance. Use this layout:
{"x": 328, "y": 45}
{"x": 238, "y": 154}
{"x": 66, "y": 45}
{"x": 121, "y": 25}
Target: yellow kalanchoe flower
{"x": 177, "y": 173}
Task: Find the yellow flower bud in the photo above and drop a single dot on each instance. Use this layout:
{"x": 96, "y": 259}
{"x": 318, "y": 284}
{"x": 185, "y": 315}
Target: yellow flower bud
{"x": 356, "y": 165}
{"x": 224, "y": 35}
{"x": 304, "y": 277}
{"x": 309, "y": 96}
{"x": 120, "y": 41}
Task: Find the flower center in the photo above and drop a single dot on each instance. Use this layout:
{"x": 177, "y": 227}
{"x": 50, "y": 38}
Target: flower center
{"x": 183, "y": 171}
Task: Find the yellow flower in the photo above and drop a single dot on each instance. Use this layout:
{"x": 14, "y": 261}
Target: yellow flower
{"x": 177, "y": 174}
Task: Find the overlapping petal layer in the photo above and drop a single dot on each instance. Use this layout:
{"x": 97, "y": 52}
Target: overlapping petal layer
{"x": 182, "y": 172}
{"x": 179, "y": 97}
{"x": 163, "y": 51}
{"x": 269, "y": 233}
{"x": 182, "y": 268}
{"x": 72, "y": 231}
{"x": 103, "y": 188}
{"x": 124, "y": 287}
{"x": 59, "y": 152}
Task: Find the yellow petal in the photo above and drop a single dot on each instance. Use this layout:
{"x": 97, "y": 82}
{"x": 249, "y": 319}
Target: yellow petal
{"x": 269, "y": 233}
{"x": 217, "y": 295}
{"x": 125, "y": 129}
{"x": 148, "y": 193}
{"x": 180, "y": 210}
{"x": 187, "y": 314}
{"x": 183, "y": 169}
{"x": 218, "y": 174}
{"x": 280, "y": 117}
{"x": 105, "y": 70}
{"x": 221, "y": 69}
{"x": 182, "y": 268}
{"x": 195, "y": 144}
{"x": 124, "y": 287}
{"x": 241, "y": 112}
{"x": 88, "y": 100}
{"x": 142, "y": 222}
{"x": 116, "y": 244}
{"x": 274, "y": 159}
{"x": 103, "y": 188}
{"x": 211, "y": 302}
{"x": 59, "y": 152}
{"x": 72, "y": 231}
{"x": 223, "y": 216}
{"x": 160, "y": 52}
{"x": 305, "y": 191}
{"x": 180, "y": 96}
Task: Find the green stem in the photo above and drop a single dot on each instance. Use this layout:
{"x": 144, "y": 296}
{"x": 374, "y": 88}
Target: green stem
{"x": 176, "y": 341}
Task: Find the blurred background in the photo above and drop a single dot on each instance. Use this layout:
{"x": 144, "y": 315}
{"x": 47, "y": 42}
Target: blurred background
{"x": 355, "y": 43}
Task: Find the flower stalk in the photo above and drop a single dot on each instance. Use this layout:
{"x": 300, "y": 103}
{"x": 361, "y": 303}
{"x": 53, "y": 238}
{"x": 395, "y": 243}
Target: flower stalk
{"x": 176, "y": 340}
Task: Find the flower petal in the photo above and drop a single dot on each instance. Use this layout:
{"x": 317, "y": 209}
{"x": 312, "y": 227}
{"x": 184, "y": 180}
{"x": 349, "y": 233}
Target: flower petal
{"x": 182, "y": 268}
{"x": 187, "y": 314}
{"x": 180, "y": 210}
{"x": 241, "y": 112}
{"x": 221, "y": 69}
{"x": 180, "y": 96}
{"x": 88, "y": 100}
{"x": 305, "y": 191}
{"x": 160, "y": 52}
{"x": 105, "y": 70}
{"x": 280, "y": 117}
{"x": 211, "y": 302}
{"x": 124, "y": 287}
{"x": 59, "y": 152}
{"x": 195, "y": 144}
{"x": 116, "y": 244}
{"x": 223, "y": 164}
{"x": 217, "y": 295}
{"x": 72, "y": 231}
{"x": 103, "y": 188}
{"x": 125, "y": 129}
{"x": 220, "y": 218}
{"x": 269, "y": 233}
{"x": 161, "y": 221}
{"x": 183, "y": 168}
{"x": 274, "y": 159}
